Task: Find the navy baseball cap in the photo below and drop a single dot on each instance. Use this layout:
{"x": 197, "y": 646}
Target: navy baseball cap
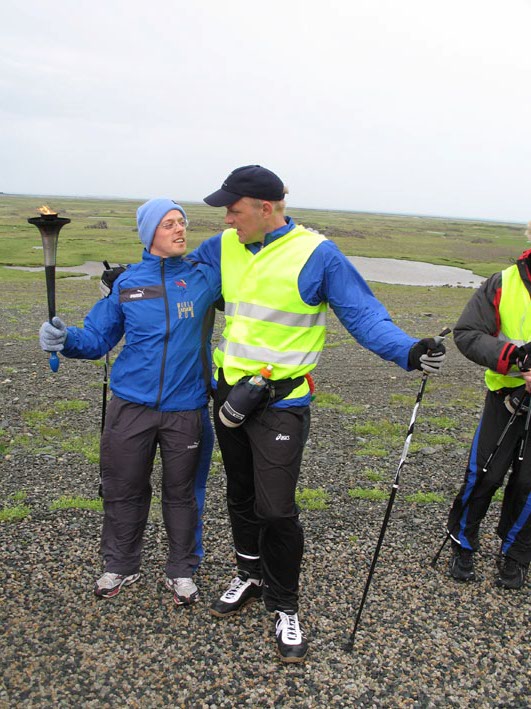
{"x": 248, "y": 181}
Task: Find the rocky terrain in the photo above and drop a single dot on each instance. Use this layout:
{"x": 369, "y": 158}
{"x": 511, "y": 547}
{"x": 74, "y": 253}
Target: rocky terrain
{"x": 423, "y": 641}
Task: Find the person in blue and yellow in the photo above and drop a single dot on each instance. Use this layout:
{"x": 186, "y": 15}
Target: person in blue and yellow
{"x": 278, "y": 280}
{"x": 494, "y": 331}
{"x": 163, "y": 306}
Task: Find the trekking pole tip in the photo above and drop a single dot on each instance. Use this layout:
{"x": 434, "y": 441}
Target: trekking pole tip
{"x": 349, "y": 647}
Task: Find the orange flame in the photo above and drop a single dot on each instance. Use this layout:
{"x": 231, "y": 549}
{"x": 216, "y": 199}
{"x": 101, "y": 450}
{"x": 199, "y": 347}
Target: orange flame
{"x": 46, "y": 210}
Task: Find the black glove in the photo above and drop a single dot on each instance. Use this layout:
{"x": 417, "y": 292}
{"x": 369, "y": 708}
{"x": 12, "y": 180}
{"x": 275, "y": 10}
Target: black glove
{"x": 428, "y": 355}
{"x": 523, "y": 357}
{"x": 107, "y": 279}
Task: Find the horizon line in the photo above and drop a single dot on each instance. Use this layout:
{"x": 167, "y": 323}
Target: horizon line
{"x": 419, "y": 215}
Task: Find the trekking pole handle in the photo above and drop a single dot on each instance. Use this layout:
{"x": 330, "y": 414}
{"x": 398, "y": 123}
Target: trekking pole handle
{"x": 440, "y": 337}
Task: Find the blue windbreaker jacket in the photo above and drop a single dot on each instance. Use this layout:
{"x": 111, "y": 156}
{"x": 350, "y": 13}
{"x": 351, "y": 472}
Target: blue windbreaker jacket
{"x": 164, "y": 307}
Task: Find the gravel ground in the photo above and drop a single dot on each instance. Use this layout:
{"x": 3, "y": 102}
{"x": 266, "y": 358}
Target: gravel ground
{"x": 423, "y": 641}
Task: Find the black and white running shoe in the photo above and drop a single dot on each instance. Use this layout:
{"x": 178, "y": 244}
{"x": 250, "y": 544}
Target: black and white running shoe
{"x": 292, "y": 645}
{"x": 239, "y": 594}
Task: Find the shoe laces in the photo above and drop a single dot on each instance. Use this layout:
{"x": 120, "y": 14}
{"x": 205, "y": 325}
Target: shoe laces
{"x": 288, "y": 623}
{"x": 235, "y": 585}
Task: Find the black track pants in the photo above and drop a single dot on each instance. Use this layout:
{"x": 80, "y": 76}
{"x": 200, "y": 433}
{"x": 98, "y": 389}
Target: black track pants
{"x": 475, "y": 495}
{"x": 128, "y": 447}
{"x": 262, "y": 461}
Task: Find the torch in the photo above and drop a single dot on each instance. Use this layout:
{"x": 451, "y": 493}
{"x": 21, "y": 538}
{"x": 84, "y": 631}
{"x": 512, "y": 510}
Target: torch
{"x": 50, "y": 224}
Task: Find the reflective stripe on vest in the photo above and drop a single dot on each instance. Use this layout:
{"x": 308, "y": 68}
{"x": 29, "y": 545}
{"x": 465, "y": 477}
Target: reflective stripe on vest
{"x": 515, "y": 319}
{"x": 260, "y": 312}
{"x": 264, "y": 354}
{"x": 267, "y": 322}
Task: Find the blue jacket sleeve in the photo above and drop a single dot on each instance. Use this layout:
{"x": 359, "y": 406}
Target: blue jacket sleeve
{"x": 102, "y": 329}
{"x": 328, "y": 276}
{"x": 213, "y": 279}
{"x": 208, "y": 252}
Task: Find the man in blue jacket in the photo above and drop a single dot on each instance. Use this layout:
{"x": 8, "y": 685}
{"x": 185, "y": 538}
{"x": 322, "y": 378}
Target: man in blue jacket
{"x": 278, "y": 278}
{"x": 160, "y": 383}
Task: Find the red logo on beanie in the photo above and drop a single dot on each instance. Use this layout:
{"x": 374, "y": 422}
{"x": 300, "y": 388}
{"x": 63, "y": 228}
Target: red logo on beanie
{"x": 181, "y": 283}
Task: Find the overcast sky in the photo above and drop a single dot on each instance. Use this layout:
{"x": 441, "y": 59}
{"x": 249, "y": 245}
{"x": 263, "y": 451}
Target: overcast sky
{"x": 410, "y": 106}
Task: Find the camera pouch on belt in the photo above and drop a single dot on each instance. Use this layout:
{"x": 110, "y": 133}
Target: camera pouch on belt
{"x": 243, "y": 398}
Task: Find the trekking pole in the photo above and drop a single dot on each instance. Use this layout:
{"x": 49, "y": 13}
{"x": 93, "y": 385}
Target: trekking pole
{"x": 525, "y": 436}
{"x": 350, "y": 645}
{"x": 104, "y": 408}
{"x": 489, "y": 460}
{"x": 504, "y": 432}
{"x": 106, "y": 367}
{"x": 105, "y": 376}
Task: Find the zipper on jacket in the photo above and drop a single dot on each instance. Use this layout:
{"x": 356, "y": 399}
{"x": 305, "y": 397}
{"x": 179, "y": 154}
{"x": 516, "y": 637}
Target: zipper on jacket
{"x": 167, "y": 335}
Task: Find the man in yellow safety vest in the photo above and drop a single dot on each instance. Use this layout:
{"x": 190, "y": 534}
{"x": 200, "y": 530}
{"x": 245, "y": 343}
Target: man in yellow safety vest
{"x": 278, "y": 279}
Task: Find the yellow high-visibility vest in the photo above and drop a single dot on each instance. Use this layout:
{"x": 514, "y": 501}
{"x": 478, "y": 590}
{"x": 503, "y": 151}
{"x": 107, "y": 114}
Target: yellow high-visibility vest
{"x": 515, "y": 319}
{"x": 266, "y": 320}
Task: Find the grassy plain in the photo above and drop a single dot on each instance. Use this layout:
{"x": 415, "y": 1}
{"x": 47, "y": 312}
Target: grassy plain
{"x": 480, "y": 246}
{"x": 50, "y": 519}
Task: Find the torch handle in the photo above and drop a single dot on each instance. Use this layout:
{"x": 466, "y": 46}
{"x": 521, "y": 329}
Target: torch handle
{"x": 50, "y": 290}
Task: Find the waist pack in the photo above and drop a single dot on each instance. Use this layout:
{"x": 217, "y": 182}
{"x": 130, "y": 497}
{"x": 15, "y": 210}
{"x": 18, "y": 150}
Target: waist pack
{"x": 275, "y": 390}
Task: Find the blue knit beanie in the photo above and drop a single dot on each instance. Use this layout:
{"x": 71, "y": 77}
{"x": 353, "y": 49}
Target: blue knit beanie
{"x": 148, "y": 217}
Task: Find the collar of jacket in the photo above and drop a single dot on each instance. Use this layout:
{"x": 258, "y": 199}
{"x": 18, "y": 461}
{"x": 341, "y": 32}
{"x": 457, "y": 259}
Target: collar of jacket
{"x": 174, "y": 262}
{"x": 524, "y": 268}
{"x": 273, "y": 235}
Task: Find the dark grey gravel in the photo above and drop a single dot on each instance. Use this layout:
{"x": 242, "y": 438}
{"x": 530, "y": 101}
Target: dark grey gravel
{"x": 424, "y": 640}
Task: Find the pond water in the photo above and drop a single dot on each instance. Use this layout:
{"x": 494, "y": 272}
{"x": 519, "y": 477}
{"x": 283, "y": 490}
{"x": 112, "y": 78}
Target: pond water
{"x": 88, "y": 269}
{"x": 414, "y": 273}
{"x": 380, "y": 270}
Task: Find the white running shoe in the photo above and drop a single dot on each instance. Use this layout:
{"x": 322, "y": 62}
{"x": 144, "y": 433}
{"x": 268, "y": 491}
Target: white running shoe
{"x": 110, "y": 584}
{"x": 184, "y": 590}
